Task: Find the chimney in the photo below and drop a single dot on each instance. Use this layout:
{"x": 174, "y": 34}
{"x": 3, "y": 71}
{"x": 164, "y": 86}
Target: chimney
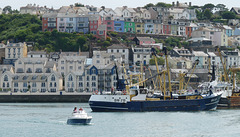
{"x": 190, "y": 4}
{"x": 173, "y": 4}
{"x": 177, "y": 3}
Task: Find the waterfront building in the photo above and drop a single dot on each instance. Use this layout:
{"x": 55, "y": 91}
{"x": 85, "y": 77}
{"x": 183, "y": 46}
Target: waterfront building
{"x": 139, "y": 25}
{"x": 120, "y": 49}
{"x": 67, "y": 64}
{"x": 34, "y": 9}
{"x": 82, "y": 24}
{"x": 94, "y": 22}
{"x": 157, "y": 27}
{"x": 13, "y": 51}
{"x": 109, "y": 21}
{"x": 107, "y": 12}
{"x": 129, "y": 25}
{"x": 141, "y": 55}
{"x": 231, "y": 57}
{"x": 104, "y": 58}
{"x": 181, "y": 52}
{"x": 180, "y": 63}
{"x": 49, "y": 21}
{"x": 144, "y": 40}
{"x": 128, "y": 12}
{"x": 202, "y": 57}
{"x": 189, "y": 29}
{"x": 236, "y": 10}
{"x": 37, "y": 54}
{"x": 148, "y": 26}
{"x": 166, "y": 29}
{"x": 119, "y": 24}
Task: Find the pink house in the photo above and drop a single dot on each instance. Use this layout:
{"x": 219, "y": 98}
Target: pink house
{"x": 102, "y": 31}
{"x": 108, "y": 20}
{"x": 94, "y": 22}
{"x": 166, "y": 29}
{"x": 144, "y": 40}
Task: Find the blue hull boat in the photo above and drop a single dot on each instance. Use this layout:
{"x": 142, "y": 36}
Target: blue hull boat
{"x": 103, "y": 105}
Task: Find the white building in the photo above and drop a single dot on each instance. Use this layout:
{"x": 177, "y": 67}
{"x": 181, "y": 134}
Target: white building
{"x": 120, "y": 49}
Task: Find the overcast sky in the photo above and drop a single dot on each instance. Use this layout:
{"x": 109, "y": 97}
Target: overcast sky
{"x": 16, "y": 4}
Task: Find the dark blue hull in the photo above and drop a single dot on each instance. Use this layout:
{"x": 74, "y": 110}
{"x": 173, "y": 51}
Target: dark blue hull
{"x": 78, "y": 121}
{"x": 207, "y": 103}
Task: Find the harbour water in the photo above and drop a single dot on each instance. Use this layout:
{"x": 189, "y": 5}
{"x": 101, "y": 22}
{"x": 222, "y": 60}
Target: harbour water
{"x": 49, "y": 120}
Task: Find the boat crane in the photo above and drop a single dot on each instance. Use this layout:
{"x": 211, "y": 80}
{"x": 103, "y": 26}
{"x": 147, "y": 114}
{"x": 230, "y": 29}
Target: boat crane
{"x": 224, "y": 66}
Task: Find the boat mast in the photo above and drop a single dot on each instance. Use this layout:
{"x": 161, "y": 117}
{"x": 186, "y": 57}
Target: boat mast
{"x": 168, "y": 71}
{"x": 117, "y": 78}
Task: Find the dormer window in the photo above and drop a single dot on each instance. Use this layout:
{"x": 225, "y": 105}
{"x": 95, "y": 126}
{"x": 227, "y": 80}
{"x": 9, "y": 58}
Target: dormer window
{"x": 53, "y": 78}
{"x": 5, "y": 78}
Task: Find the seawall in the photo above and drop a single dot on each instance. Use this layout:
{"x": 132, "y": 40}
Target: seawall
{"x": 43, "y": 98}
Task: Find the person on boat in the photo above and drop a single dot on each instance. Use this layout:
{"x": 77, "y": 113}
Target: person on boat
{"x": 80, "y": 109}
{"x": 75, "y": 110}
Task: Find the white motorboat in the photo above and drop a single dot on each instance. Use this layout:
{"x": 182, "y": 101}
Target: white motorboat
{"x": 79, "y": 118}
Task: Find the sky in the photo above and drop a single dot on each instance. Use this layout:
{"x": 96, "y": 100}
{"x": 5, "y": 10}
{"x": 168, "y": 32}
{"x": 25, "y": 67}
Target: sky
{"x": 56, "y": 4}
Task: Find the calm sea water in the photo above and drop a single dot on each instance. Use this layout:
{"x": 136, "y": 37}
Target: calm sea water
{"x": 49, "y": 120}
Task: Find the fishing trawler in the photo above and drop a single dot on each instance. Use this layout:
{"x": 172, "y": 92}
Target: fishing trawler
{"x": 134, "y": 98}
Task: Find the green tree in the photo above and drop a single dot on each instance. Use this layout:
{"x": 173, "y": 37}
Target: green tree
{"x": 162, "y": 4}
{"x": 149, "y": 5}
{"x": 160, "y": 61}
{"x": 209, "y": 6}
{"x": 207, "y": 14}
{"x": 228, "y": 15}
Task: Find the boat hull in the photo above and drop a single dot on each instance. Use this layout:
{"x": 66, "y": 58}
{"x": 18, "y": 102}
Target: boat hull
{"x": 207, "y": 103}
{"x": 78, "y": 121}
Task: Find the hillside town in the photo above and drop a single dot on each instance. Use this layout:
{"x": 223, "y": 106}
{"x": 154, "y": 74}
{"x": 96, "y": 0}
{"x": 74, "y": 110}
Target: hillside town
{"x": 26, "y": 71}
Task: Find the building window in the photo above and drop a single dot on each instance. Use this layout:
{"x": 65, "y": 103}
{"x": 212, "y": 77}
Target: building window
{"x": 71, "y": 67}
{"x": 53, "y": 78}
{"x": 93, "y": 84}
{"x": 70, "y": 78}
{"x": 87, "y": 78}
{"x": 5, "y": 78}
{"x": 79, "y": 67}
{"x": 62, "y": 62}
{"x": 25, "y": 84}
{"x": 100, "y": 32}
{"x": 93, "y": 78}
{"x": 34, "y": 84}
{"x": 80, "y": 78}
{"x": 43, "y": 84}
{"x": 15, "y": 84}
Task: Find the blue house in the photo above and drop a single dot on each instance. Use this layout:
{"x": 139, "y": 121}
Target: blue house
{"x": 82, "y": 24}
{"x": 149, "y": 26}
{"x": 228, "y": 30}
{"x": 119, "y": 24}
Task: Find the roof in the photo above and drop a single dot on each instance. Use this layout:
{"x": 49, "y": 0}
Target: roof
{"x": 236, "y": 9}
{"x": 36, "y": 52}
{"x": 34, "y": 60}
{"x": 117, "y": 46}
{"x": 203, "y": 29}
{"x": 212, "y": 54}
{"x": 49, "y": 64}
{"x": 50, "y": 15}
{"x": 227, "y": 27}
{"x": 198, "y": 39}
{"x": 200, "y": 53}
{"x": 145, "y": 39}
